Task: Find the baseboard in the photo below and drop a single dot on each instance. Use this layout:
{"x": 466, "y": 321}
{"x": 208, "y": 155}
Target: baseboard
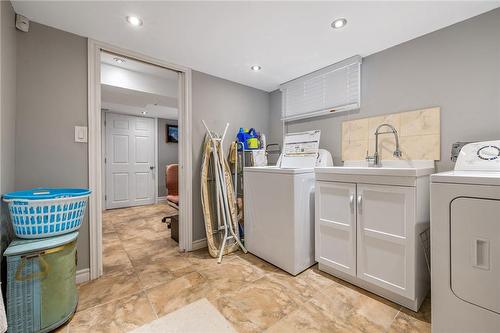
{"x": 161, "y": 199}
{"x": 82, "y": 275}
{"x": 199, "y": 244}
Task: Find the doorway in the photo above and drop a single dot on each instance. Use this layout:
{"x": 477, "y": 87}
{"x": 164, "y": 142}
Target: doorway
{"x": 124, "y": 116}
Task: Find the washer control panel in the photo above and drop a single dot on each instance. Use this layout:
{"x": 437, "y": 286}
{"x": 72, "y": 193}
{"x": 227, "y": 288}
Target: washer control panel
{"x": 488, "y": 153}
{"x": 480, "y": 156}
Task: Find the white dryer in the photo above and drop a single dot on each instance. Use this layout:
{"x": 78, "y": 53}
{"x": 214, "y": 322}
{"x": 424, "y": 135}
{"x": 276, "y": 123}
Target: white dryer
{"x": 465, "y": 242}
{"x": 279, "y": 204}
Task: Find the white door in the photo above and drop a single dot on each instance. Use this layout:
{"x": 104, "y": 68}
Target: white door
{"x": 336, "y": 225}
{"x": 129, "y": 160}
{"x": 386, "y": 237}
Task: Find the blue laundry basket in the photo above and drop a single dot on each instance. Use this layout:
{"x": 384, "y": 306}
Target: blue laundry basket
{"x": 47, "y": 212}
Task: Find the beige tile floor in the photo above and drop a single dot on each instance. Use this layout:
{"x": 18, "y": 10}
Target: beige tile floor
{"x": 145, "y": 277}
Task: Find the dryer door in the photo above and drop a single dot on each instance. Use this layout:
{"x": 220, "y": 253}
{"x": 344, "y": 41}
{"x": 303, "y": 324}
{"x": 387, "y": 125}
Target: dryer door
{"x": 475, "y": 251}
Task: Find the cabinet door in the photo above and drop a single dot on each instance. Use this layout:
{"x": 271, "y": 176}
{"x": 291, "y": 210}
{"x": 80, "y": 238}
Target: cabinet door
{"x": 385, "y": 240}
{"x": 336, "y": 225}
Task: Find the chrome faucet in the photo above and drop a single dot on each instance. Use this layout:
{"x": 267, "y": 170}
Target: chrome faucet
{"x": 375, "y": 158}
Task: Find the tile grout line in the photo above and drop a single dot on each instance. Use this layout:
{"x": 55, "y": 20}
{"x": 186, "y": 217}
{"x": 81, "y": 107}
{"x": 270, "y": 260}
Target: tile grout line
{"x": 123, "y": 249}
{"x": 151, "y": 304}
{"x": 134, "y": 268}
{"x": 108, "y": 302}
{"x": 121, "y": 270}
{"x": 118, "y": 272}
{"x": 144, "y": 289}
{"x": 393, "y": 319}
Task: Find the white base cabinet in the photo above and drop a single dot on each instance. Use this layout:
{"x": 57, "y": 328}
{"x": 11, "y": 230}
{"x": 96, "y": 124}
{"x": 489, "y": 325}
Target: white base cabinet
{"x": 335, "y": 233}
{"x": 369, "y": 234}
{"x": 386, "y": 238}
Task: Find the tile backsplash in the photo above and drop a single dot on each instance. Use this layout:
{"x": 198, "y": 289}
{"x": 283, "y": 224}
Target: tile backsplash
{"x": 419, "y": 136}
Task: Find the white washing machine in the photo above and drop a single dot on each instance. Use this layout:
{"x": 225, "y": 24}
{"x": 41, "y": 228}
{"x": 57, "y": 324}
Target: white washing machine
{"x": 279, "y": 204}
{"x": 465, "y": 242}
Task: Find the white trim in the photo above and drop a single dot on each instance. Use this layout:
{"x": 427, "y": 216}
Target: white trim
{"x": 82, "y": 275}
{"x": 161, "y": 199}
{"x": 185, "y": 162}
{"x": 95, "y": 158}
{"x": 199, "y": 244}
{"x": 103, "y": 156}
{"x": 156, "y": 159}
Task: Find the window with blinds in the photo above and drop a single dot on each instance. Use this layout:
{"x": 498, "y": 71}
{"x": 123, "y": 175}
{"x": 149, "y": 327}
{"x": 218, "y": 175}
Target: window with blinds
{"x": 334, "y": 88}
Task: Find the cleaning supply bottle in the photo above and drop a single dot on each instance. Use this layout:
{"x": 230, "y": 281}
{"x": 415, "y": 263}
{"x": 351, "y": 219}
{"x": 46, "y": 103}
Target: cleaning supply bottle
{"x": 243, "y": 136}
{"x": 253, "y": 139}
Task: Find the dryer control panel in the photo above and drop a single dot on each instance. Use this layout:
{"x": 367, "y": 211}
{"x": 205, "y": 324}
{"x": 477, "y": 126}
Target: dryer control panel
{"x": 479, "y": 156}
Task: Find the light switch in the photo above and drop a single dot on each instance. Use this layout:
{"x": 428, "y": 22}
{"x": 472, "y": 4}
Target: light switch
{"x": 80, "y": 134}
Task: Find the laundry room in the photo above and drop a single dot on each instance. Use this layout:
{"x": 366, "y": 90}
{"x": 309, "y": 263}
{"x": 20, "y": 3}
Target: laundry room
{"x": 206, "y": 167}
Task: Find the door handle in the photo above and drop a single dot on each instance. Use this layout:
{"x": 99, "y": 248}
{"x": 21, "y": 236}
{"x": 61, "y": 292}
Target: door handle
{"x": 360, "y": 201}
{"x": 351, "y": 202}
{"x": 151, "y": 168}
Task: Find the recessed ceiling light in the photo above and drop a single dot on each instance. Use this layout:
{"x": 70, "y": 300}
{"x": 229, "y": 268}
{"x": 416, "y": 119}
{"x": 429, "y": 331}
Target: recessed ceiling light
{"x": 134, "y": 20}
{"x": 339, "y": 23}
{"x": 144, "y": 112}
{"x": 256, "y": 68}
{"x": 119, "y": 60}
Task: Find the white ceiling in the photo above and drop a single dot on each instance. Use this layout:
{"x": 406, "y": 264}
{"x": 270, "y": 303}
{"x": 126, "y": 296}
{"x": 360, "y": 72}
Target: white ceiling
{"x": 134, "y": 87}
{"x": 139, "y": 66}
{"x": 288, "y": 39}
{"x": 134, "y": 102}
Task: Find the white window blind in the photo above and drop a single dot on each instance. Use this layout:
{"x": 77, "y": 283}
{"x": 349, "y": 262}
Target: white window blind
{"x": 334, "y": 88}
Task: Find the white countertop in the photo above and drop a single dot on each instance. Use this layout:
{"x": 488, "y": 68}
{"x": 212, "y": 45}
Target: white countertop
{"x": 397, "y": 168}
{"x": 468, "y": 177}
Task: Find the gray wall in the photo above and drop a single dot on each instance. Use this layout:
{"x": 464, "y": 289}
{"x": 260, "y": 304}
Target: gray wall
{"x": 456, "y": 68}
{"x": 275, "y": 123}
{"x": 51, "y": 100}
{"x": 7, "y": 112}
{"x": 168, "y": 153}
{"x": 218, "y": 101}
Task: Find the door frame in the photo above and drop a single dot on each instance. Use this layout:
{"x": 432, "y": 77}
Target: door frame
{"x": 94, "y": 49}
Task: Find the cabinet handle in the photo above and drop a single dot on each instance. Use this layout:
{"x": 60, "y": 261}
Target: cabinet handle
{"x": 351, "y": 202}
{"x": 360, "y": 201}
